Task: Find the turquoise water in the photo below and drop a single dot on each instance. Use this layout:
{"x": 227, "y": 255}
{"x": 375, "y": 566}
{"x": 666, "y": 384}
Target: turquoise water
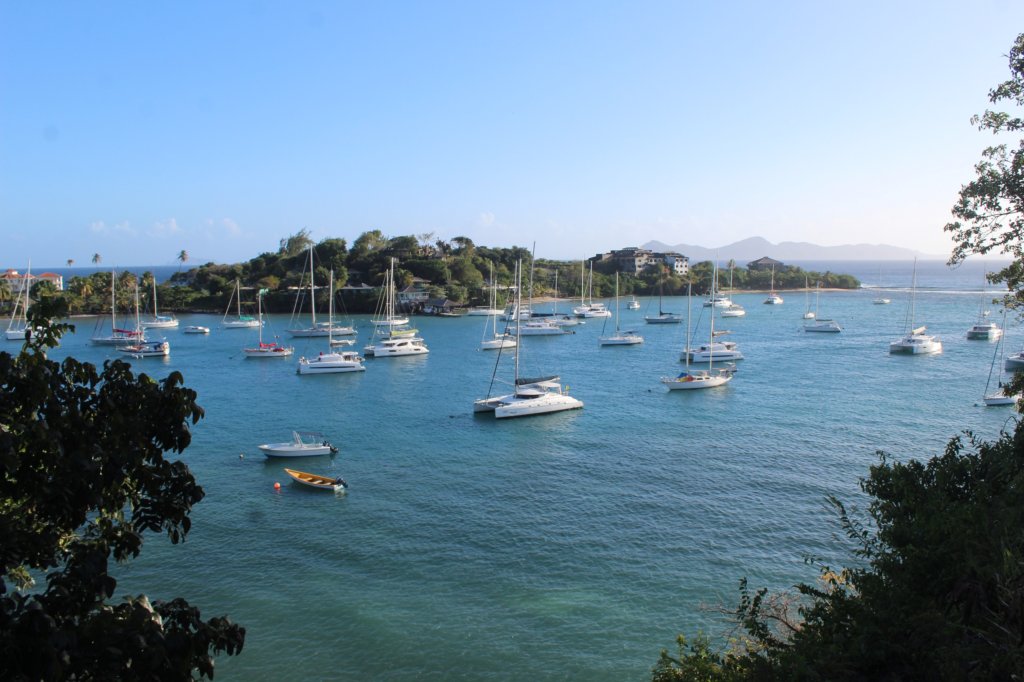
{"x": 574, "y": 545}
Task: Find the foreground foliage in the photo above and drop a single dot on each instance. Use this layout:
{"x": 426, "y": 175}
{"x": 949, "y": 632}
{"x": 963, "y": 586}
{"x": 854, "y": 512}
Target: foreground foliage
{"x": 82, "y": 477}
{"x": 939, "y": 596}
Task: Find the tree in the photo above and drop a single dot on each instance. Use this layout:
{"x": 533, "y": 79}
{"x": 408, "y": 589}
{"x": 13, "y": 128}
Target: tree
{"x": 71, "y": 261}
{"x": 96, "y": 259}
{"x": 296, "y": 243}
{"x": 83, "y": 478}
{"x": 938, "y": 593}
{"x": 990, "y": 212}
{"x": 183, "y": 257}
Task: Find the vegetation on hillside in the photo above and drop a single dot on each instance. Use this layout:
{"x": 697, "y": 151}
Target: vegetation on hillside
{"x": 457, "y": 270}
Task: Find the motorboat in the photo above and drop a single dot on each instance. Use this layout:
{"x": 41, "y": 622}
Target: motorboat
{"x": 734, "y": 310}
{"x": 633, "y": 304}
{"x": 718, "y": 301}
{"x": 540, "y": 326}
{"x": 196, "y": 329}
{"x": 396, "y": 346}
{"x": 882, "y": 301}
{"x": 317, "y": 481}
{"x": 302, "y": 444}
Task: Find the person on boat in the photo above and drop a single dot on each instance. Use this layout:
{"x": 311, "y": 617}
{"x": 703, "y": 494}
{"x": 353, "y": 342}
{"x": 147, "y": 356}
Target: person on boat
{"x": 340, "y": 481}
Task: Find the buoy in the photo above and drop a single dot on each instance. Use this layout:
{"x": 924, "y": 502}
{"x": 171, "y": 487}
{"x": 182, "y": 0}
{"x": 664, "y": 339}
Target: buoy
{"x": 241, "y": 455}
{"x": 277, "y": 486}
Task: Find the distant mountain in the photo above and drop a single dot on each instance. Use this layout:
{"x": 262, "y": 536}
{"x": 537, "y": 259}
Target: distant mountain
{"x": 755, "y": 247}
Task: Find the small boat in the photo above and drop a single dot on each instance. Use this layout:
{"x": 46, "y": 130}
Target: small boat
{"x": 317, "y": 481}
{"x": 882, "y": 301}
{"x": 196, "y": 329}
{"x": 302, "y": 444}
{"x": 734, "y": 310}
{"x": 820, "y": 324}
{"x": 633, "y": 304}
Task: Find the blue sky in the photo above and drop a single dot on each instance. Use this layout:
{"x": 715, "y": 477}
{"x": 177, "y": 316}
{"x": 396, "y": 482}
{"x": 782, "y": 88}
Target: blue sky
{"x": 136, "y": 130}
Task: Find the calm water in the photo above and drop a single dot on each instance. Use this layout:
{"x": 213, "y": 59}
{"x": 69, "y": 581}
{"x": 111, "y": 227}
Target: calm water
{"x": 566, "y": 546}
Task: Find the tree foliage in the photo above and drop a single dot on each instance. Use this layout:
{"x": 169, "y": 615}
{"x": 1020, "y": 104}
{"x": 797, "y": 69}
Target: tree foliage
{"x": 83, "y": 478}
{"x": 990, "y": 212}
{"x": 938, "y": 592}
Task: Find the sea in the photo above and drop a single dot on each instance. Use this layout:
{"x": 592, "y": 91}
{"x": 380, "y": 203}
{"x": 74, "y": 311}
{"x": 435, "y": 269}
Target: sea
{"x": 571, "y": 546}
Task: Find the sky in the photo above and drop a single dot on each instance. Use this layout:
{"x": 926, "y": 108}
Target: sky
{"x": 138, "y": 130}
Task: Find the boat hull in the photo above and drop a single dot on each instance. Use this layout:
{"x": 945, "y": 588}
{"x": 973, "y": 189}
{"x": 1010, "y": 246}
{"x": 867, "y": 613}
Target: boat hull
{"x": 516, "y": 406}
{"x": 331, "y": 363}
{"x": 696, "y": 381}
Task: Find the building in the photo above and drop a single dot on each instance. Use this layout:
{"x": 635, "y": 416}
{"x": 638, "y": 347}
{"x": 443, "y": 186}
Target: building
{"x": 633, "y": 260}
{"x": 17, "y": 282}
{"x": 765, "y": 263}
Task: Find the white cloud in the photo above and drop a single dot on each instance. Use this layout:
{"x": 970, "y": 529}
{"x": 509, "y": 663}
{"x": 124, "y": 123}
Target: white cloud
{"x": 123, "y": 228}
{"x": 485, "y": 219}
{"x": 165, "y": 228}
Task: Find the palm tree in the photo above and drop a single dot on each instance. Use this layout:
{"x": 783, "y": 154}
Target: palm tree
{"x": 96, "y": 259}
{"x": 182, "y": 257}
{"x": 71, "y": 261}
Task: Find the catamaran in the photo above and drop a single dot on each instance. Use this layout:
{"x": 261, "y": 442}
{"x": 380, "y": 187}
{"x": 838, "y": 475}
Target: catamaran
{"x": 333, "y": 361}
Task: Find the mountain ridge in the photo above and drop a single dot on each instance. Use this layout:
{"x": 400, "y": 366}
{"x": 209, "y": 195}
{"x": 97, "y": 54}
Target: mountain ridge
{"x": 755, "y": 247}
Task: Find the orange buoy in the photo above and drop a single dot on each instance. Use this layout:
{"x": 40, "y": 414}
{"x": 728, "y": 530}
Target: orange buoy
{"x": 277, "y": 486}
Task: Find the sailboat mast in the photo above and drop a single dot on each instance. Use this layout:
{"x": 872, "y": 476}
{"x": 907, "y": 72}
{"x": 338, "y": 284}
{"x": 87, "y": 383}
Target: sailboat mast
{"x": 330, "y": 310}
{"x": 616, "y": 302}
{"x": 238, "y": 298}
{"x": 711, "y": 326}
{"x": 689, "y": 291}
{"x": 519, "y": 324}
{"x": 312, "y": 290}
{"x": 155, "y": 311}
{"x": 113, "y": 304}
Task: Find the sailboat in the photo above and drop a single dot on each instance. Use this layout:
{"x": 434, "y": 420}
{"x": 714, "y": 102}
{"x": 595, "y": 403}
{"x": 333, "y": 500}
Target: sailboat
{"x": 265, "y": 350}
{"x": 984, "y": 329}
{"x": 662, "y": 317}
{"x": 393, "y": 337}
{"x": 998, "y": 396}
{"x": 535, "y": 325}
{"x": 714, "y": 349}
{"x": 159, "y": 321}
{"x": 117, "y": 336}
{"x": 331, "y": 362}
{"x": 773, "y": 298}
{"x": 619, "y": 338}
{"x": 688, "y": 379}
{"x": 530, "y": 396}
{"x": 18, "y": 323}
{"x": 915, "y": 342}
{"x": 810, "y": 314}
{"x": 820, "y": 324}
{"x": 587, "y": 307}
{"x": 881, "y": 300}
{"x": 143, "y": 348}
{"x": 239, "y": 321}
{"x": 496, "y": 340}
{"x": 318, "y": 329}
{"x": 491, "y": 308}
{"x": 733, "y": 309}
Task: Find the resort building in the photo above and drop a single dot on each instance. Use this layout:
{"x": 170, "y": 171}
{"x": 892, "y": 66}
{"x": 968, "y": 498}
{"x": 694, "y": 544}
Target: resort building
{"x": 17, "y": 281}
{"x": 633, "y": 260}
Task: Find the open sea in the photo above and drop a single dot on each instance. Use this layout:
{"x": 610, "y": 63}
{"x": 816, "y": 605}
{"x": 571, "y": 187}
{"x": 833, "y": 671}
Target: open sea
{"x": 566, "y": 546}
